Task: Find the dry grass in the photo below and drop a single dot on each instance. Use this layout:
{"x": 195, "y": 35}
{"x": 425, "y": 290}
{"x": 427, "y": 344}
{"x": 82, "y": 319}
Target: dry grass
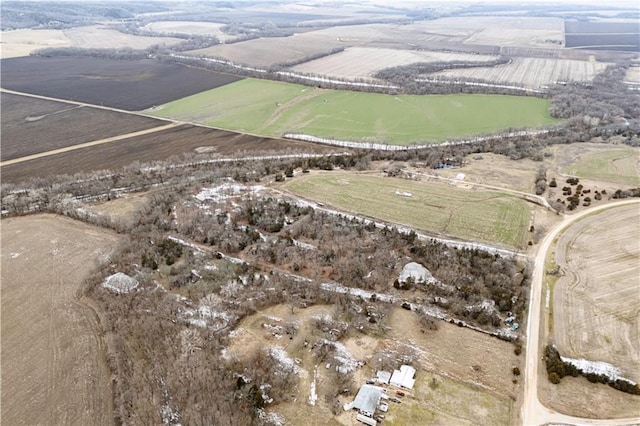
{"x": 122, "y": 209}
{"x": 531, "y": 72}
{"x": 53, "y": 361}
{"x": 98, "y": 37}
{"x": 22, "y": 42}
{"x": 190, "y": 27}
{"x": 633, "y": 75}
{"x": 596, "y": 304}
{"x": 264, "y": 52}
{"x": 364, "y": 62}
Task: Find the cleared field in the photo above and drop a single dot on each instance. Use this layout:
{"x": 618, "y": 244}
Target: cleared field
{"x": 596, "y": 305}
{"x": 439, "y": 208}
{"x": 633, "y": 75}
{"x": 153, "y": 147}
{"x": 498, "y": 30}
{"x": 453, "y": 364}
{"x": 264, "y": 52}
{"x": 363, "y": 62}
{"x": 531, "y": 72}
{"x": 31, "y": 125}
{"x": 617, "y": 164}
{"x": 273, "y": 109}
{"x": 189, "y": 27}
{"x": 99, "y": 37}
{"x": 22, "y": 42}
{"x": 53, "y": 361}
{"x": 129, "y": 85}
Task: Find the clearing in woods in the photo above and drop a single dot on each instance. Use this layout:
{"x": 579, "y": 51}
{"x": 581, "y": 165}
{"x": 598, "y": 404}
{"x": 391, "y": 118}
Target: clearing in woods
{"x": 453, "y": 364}
{"x": 249, "y": 104}
{"x": 54, "y": 367}
{"x": 596, "y": 305}
{"x": 441, "y": 208}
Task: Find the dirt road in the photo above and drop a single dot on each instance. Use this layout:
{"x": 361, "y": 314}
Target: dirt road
{"x": 533, "y": 412}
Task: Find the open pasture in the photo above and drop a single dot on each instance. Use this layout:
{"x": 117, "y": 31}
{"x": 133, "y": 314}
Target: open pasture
{"x": 280, "y": 108}
{"x": 153, "y": 147}
{"x": 190, "y": 28}
{"x": 265, "y": 52}
{"x": 596, "y": 305}
{"x": 434, "y": 207}
{"x": 54, "y": 365}
{"x": 100, "y": 37}
{"x": 633, "y": 75}
{"x": 364, "y": 62}
{"x": 129, "y": 85}
{"x": 518, "y": 31}
{"x": 22, "y": 42}
{"x": 530, "y": 72}
{"x": 617, "y": 164}
{"x": 31, "y": 125}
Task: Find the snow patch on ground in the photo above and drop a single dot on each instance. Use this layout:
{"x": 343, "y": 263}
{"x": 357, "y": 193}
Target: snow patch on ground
{"x": 282, "y": 357}
{"x": 120, "y": 283}
{"x": 313, "y": 396}
{"x": 303, "y": 245}
{"x": 596, "y": 367}
{"x": 205, "y": 316}
{"x": 15, "y": 255}
{"x": 226, "y": 191}
{"x": 271, "y": 418}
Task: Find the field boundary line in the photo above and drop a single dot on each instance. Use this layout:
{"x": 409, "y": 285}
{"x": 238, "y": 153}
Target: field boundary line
{"x": 88, "y": 144}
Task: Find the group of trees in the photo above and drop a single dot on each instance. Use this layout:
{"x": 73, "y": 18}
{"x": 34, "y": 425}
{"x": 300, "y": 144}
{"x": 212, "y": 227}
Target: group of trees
{"x": 557, "y": 369}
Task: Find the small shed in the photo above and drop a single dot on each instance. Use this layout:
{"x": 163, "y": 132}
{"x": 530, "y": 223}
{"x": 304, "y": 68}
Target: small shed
{"x": 403, "y": 378}
{"x": 383, "y": 377}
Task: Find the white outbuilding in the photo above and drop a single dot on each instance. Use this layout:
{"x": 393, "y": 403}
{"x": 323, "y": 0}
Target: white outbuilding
{"x": 403, "y": 378}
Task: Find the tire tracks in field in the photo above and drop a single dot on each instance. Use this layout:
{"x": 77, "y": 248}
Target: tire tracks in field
{"x": 288, "y": 105}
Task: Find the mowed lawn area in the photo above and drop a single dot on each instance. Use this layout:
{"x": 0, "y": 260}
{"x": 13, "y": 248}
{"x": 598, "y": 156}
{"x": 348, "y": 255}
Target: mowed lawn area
{"x": 486, "y": 216}
{"x": 273, "y": 109}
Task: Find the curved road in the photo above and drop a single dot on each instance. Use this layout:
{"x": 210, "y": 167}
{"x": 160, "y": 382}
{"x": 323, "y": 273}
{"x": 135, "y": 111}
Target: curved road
{"x": 533, "y": 412}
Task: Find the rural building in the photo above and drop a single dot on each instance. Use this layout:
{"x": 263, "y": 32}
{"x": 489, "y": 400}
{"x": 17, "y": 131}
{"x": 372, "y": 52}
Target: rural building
{"x": 403, "y": 378}
{"x": 417, "y": 273}
{"x": 383, "y": 377}
{"x": 366, "y": 420}
{"x": 366, "y": 400}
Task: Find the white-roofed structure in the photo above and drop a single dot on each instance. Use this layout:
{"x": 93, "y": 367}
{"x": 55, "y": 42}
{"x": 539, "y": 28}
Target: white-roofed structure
{"x": 367, "y": 399}
{"x": 383, "y": 377}
{"x": 417, "y": 273}
{"x": 403, "y": 378}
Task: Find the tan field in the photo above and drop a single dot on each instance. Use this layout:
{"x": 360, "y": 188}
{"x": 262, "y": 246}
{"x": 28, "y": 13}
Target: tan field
{"x": 633, "y": 75}
{"x": 189, "y": 27}
{"x": 22, "y": 42}
{"x": 53, "y": 359}
{"x": 364, "y": 62}
{"x": 531, "y": 72}
{"x": 264, "y": 52}
{"x": 104, "y": 38}
{"x": 596, "y": 302}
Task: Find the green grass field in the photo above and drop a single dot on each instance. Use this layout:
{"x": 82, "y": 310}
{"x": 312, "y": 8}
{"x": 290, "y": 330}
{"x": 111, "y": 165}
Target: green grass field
{"x": 436, "y": 207}
{"x": 618, "y": 165}
{"x": 272, "y": 109}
